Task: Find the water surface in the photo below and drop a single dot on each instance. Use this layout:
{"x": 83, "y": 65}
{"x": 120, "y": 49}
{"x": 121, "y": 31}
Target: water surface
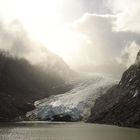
{"x": 65, "y": 131}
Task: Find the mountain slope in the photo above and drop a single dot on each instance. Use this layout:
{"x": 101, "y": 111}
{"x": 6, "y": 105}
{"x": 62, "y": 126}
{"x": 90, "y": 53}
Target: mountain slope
{"x": 121, "y": 104}
{"x": 22, "y": 83}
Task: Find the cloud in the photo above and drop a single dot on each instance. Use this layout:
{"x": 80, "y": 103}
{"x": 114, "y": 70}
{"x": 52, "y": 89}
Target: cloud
{"x": 99, "y": 30}
{"x": 106, "y": 36}
{"x": 18, "y": 42}
{"x": 74, "y": 9}
{"x": 98, "y": 49}
{"x": 128, "y": 14}
{"x": 15, "y": 39}
{"x": 128, "y": 54}
{"x": 107, "y": 44}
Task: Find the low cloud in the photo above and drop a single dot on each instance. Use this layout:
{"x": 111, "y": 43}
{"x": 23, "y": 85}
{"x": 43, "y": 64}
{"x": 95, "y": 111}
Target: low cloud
{"x": 107, "y": 44}
{"x": 128, "y": 54}
{"x": 16, "y": 40}
{"x": 102, "y": 47}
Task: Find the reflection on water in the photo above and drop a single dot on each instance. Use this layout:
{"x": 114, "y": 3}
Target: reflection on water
{"x": 65, "y": 131}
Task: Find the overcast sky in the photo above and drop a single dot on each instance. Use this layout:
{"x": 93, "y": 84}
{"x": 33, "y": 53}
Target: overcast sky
{"x": 86, "y": 33}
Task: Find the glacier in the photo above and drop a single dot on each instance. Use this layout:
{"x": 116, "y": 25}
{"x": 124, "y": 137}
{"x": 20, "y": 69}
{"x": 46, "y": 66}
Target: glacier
{"x": 76, "y": 104}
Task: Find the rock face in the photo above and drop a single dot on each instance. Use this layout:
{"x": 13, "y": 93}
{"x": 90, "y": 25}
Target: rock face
{"x": 73, "y": 105}
{"x": 121, "y": 104}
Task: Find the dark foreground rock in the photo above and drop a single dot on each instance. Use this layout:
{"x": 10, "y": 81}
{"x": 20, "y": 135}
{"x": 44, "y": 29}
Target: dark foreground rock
{"x": 121, "y": 104}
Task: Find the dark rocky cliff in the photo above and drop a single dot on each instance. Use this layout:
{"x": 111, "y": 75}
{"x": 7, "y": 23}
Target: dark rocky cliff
{"x": 121, "y": 104}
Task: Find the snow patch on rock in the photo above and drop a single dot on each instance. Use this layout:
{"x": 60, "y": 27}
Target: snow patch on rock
{"x": 136, "y": 93}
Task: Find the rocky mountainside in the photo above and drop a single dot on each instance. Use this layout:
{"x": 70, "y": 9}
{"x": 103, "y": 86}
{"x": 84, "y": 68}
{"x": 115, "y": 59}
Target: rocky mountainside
{"x": 22, "y": 83}
{"x": 121, "y": 104}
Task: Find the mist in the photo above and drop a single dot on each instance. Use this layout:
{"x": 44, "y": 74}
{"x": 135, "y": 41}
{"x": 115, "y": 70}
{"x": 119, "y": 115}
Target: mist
{"x": 89, "y": 40}
{"x": 101, "y": 58}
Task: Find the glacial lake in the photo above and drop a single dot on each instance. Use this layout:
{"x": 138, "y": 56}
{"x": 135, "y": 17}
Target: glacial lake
{"x": 65, "y": 131}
